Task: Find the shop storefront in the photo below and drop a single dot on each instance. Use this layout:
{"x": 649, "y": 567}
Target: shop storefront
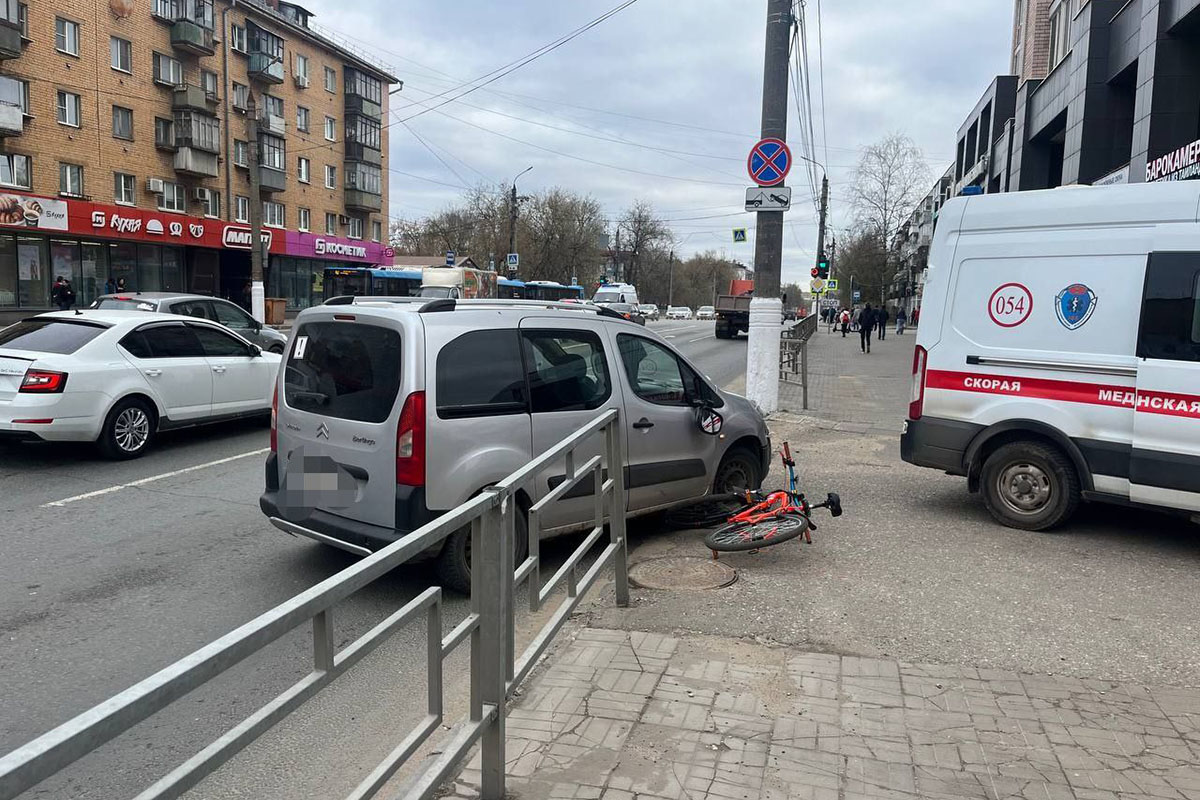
{"x": 100, "y": 248}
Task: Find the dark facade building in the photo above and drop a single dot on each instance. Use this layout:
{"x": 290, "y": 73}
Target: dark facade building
{"x": 985, "y": 140}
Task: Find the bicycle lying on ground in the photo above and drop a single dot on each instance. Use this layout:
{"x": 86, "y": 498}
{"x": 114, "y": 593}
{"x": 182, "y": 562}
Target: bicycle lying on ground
{"x": 754, "y": 520}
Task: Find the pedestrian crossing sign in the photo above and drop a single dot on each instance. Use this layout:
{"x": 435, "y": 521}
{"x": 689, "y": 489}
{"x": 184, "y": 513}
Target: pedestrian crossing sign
{"x": 831, "y": 284}
{"x": 739, "y": 235}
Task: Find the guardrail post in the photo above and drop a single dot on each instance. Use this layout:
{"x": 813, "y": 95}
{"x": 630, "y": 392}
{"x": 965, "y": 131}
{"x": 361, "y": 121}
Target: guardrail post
{"x": 616, "y": 514}
{"x": 804, "y": 371}
{"x": 491, "y": 553}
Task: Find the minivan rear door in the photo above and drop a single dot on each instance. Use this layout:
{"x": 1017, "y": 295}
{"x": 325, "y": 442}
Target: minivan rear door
{"x": 1165, "y": 463}
{"x": 336, "y": 427}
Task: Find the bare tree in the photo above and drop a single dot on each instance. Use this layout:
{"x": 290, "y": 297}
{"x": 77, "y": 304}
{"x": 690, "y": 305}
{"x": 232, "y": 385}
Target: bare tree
{"x": 889, "y": 181}
{"x": 639, "y": 231}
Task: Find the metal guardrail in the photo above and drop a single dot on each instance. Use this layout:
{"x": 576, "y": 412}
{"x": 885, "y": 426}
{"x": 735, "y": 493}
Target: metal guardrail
{"x": 495, "y": 668}
{"x": 793, "y": 353}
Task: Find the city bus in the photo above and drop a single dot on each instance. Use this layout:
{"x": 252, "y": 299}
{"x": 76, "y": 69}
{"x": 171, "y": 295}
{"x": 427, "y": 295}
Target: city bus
{"x": 550, "y": 290}
{"x": 510, "y": 289}
{"x": 372, "y": 281}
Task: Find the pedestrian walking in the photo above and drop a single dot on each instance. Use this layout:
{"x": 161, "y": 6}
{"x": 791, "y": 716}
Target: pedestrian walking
{"x": 845, "y": 321}
{"x": 866, "y": 322}
{"x": 881, "y": 321}
{"x": 916, "y": 317}
{"x": 901, "y": 318}
{"x": 61, "y": 294}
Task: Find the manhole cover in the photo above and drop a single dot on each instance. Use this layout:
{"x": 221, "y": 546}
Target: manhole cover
{"x": 682, "y": 572}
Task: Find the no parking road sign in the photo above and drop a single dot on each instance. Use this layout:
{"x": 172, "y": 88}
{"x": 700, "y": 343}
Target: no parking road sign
{"x": 769, "y": 162}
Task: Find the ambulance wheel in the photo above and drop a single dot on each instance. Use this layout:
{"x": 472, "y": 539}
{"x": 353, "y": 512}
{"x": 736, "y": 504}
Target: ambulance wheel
{"x": 1030, "y": 486}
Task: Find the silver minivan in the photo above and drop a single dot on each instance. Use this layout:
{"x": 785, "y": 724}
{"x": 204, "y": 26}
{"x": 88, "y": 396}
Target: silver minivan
{"x": 390, "y": 413}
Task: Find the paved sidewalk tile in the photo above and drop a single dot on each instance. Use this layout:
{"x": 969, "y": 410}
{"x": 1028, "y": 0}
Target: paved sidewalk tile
{"x": 637, "y": 716}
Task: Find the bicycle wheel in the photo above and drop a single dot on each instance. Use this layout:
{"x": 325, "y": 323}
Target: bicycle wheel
{"x": 742, "y": 536}
{"x": 713, "y": 510}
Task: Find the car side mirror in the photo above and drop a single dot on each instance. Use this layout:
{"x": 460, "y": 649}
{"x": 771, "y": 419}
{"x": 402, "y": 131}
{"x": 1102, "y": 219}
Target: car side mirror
{"x": 258, "y": 326}
{"x": 255, "y": 351}
{"x": 710, "y": 421}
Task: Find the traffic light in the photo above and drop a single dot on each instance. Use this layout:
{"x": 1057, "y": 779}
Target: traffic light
{"x": 822, "y": 270}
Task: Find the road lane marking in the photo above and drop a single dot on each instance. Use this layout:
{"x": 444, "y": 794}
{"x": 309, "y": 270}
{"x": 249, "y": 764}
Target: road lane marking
{"x": 152, "y": 479}
{"x": 701, "y": 339}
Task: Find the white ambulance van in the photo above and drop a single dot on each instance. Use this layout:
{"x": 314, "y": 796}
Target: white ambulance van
{"x": 1058, "y": 355}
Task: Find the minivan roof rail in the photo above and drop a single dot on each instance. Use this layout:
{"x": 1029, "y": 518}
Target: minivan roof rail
{"x": 440, "y": 304}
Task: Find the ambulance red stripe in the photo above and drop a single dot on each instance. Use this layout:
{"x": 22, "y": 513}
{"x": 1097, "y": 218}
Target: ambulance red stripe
{"x": 1094, "y": 394}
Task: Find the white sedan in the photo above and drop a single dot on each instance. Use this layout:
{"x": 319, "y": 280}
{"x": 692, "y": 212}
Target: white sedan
{"x": 118, "y": 377}
{"x": 706, "y": 312}
{"x": 679, "y": 312}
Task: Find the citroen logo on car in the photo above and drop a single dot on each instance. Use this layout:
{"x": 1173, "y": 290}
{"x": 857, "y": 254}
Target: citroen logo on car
{"x": 323, "y": 431}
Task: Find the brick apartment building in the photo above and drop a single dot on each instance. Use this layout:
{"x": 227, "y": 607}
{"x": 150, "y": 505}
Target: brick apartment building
{"x": 125, "y": 155}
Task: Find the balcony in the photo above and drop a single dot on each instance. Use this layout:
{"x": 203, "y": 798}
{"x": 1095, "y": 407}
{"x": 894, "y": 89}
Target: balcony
{"x": 187, "y": 96}
{"x": 357, "y": 104}
{"x": 10, "y": 39}
{"x": 272, "y": 123}
{"x": 196, "y": 162}
{"x": 358, "y": 200}
{"x": 271, "y": 180}
{"x": 12, "y": 120}
{"x": 356, "y": 151}
{"x": 266, "y": 68}
{"x": 192, "y": 38}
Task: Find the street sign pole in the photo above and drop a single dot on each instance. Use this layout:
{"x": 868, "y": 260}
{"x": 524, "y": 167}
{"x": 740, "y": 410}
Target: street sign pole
{"x": 766, "y": 309}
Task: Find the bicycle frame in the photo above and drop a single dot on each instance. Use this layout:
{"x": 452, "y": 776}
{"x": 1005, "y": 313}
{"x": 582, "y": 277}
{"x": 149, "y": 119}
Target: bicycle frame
{"x": 781, "y": 502}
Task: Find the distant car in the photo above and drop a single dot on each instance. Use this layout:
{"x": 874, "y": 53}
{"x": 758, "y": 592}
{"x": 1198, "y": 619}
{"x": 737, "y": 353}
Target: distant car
{"x": 706, "y": 312}
{"x": 649, "y": 311}
{"x": 628, "y": 311}
{"x": 116, "y": 378}
{"x": 790, "y": 314}
{"x": 679, "y": 312}
{"x": 200, "y": 306}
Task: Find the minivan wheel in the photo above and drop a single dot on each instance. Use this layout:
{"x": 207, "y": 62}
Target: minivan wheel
{"x": 454, "y": 561}
{"x": 1030, "y": 486}
{"x": 276, "y": 348}
{"x": 737, "y": 473}
{"x": 128, "y": 430}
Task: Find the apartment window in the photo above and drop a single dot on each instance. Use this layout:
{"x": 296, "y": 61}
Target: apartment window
{"x": 304, "y": 169}
{"x": 376, "y": 230}
{"x": 212, "y": 204}
{"x": 241, "y": 153}
{"x": 66, "y": 36}
{"x": 164, "y": 9}
{"x": 330, "y": 176}
{"x": 202, "y": 131}
{"x": 302, "y": 119}
{"x": 70, "y": 180}
{"x": 1060, "y": 26}
{"x": 237, "y": 38}
{"x": 303, "y": 219}
{"x": 209, "y": 82}
{"x": 241, "y": 209}
{"x": 330, "y": 129}
{"x": 23, "y": 19}
{"x": 15, "y": 170}
{"x": 271, "y": 151}
{"x": 330, "y": 224}
{"x": 23, "y": 97}
{"x": 302, "y": 68}
{"x": 363, "y": 85}
{"x": 124, "y": 188}
{"x": 365, "y": 177}
{"x": 356, "y": 227}
{"x": 273, "y": 105}
{"x": 167, "y": 70}
{"x": 172, "y": 197}
{"x": 330, "y": 79}
{"x": 121, "y": 53}
{"x": 68, "y": 108}
{"x": 268, "y": 44}
{"x": 272, "y": 214}
{"x": 122, "y": 122}
{"x": 241, "y": 95}
{"x": 364, "y": 130}
{"x": 164, "y": 132}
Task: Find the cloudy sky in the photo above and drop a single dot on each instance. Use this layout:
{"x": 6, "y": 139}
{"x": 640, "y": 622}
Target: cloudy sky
{"x": 662, "y": 101}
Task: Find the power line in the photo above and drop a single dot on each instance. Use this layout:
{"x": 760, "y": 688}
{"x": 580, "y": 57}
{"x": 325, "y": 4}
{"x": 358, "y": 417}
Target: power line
{"x": 821, "y": 64}
{"x": 435, "y": 155}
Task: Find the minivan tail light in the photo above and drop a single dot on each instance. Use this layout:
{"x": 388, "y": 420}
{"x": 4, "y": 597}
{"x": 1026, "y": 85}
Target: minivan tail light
{"x": 275, "y": 420}
{"x": 41, "y": 381}
{"x": 916, "y": 404}
{"x": 410, "y": 442}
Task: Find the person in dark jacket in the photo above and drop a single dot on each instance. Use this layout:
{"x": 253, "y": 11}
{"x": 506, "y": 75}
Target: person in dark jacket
{"x": 866, "y": 324}
{"x": 881, "y": 320}
{"x": 61, "y": 294}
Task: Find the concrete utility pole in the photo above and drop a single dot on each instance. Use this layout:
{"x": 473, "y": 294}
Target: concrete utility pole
{"x": 512, "y": 217}
{"x": 671, "y": 279}
{"x": 821, "y": 236}
{"x": 257, "y": 295}
{"x": 766, "y": 309}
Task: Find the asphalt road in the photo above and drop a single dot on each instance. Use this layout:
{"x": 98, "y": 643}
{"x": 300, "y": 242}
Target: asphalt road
{"x": 103, "y": 583}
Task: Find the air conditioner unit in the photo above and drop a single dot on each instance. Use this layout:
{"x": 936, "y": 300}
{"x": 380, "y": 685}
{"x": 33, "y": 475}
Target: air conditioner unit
{"x": 200, "y": 195}
{"x": 301, "y": 81}
{"x": 343, "y": 219}
{"x": 154, "y": 185}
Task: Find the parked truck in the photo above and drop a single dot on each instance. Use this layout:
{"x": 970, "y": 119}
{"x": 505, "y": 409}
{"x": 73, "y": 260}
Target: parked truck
{"x": 733, "y": 309}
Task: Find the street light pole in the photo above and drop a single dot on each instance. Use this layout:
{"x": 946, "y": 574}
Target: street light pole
{"x": 257, "y": 294}
{"x": 512, "y": 216}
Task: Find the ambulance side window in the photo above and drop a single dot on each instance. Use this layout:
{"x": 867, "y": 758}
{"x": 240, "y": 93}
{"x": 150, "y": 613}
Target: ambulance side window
{"x": 1170, "y": 328}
